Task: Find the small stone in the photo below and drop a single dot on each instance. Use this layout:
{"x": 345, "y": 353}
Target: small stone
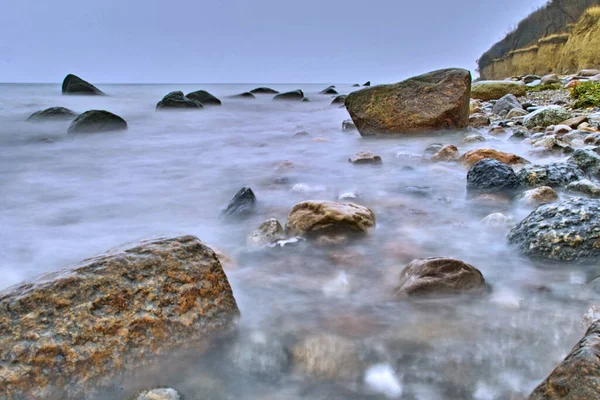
{"x": 497, "y": 131}
{"x": 365, "y": 157}
{"x": 296, "y": 95}
{"x": 561, "y": 129}
{"x": 301, "y": 134}
{"x": 497, "y": 220}
{"x": 52, "y": 114}
{"x": 158, "y": 394}
{"x": 177, "y": 100}
{"x": 539, "y": 196}
{"x": 550, "y": 79}
{"x": 269, "y": 232}
{"x": 545, "y": 116}
{"x": 588, "y": 161}
{"x": 516, "y": 113}
{"x": 478, "y": 120}
{"x": 95, "y": 121}
{"x": 473, "y": 139}
{"x": 588, "y": 72}
{"x": 446, "y": 154}
{"x": 505, "y": 104}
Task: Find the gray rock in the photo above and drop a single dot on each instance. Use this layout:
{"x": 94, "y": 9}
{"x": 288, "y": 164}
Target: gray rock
{"x": 177, "y": 100}
{"x": 546, "y": 116}
{"x": 268, "y": 232}
{"x": 158, "y": 394}
{"x": 243, "y": 204}
{"x": 516, "y": 113}
{"x": 348, "y": 125}
{"x": 204, "y": 98}
{"x": 478, "y": 120}
{"x": 491, "y": 176}
{"x": 550, "y": 79}
{"x": 554, "y": 175}
{"x": 566, "y": 231}
{"x": 586, "y": 187}
{"x": 531, "y": 78}
{"x": 296, "y": 95}
{"x": 93, "y": 121}
{"x": 339, "y": 100}
{"x": 505, "y": 104}
{"x": 52, "y": 114}
{"x": 73, "y": 84}
{"x": 259, "y": 355}
{"x": 588, "y": 72}
{"x": 588, "y": 161}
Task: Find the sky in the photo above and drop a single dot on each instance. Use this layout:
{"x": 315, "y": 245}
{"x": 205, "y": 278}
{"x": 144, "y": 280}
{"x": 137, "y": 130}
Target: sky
{"x": 247, "y": 41}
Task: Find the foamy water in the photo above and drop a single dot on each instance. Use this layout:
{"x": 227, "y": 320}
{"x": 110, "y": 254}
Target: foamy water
{"x": 69, "y": 197}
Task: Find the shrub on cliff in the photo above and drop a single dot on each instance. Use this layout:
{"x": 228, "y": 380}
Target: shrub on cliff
{"x": 586, "y": 94}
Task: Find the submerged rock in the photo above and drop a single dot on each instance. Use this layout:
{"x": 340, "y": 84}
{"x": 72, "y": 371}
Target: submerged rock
{"x": 264, "y": 90}
{"x": 553, "y": 175}
{"x": 339, "y": 100}
{"x": 546, "y": 116}
{"x": 434, "y": 101}
{"x": 52, "y": 114}
{"x": 176, "y": 100}
{"x": 489, "y": 176}
{"x": 204, "y": 98}
{"x": 540, "y": 195}
{"x": 492, "y": 90}
{"x": 446, "y": 154}
{"x": 93, "y": 121}
{"x": 242, "y": 205}
{"x": 245, "y": 95}
{"x": 112, "y": 313}
{"x": 348, "y": 125}
{"x": 365, "y": 157}
{"x": 326, "y": 357}
{"x": 73, "y": 84}
{"x": 506, "y": 104}
{"x": 329, "y": 90}
{"x": 367, "y": 83}
{"x": 566, "y": 231}
{"x": 497, "y": 220}
{"x": 473, "y": 156}
{"x": 296, "y": 95}
{"x": 475, "y": 138}
{"x": 268, "y": 232}
{"x": 158, "y": 394}
{"x": 439, "y": 276}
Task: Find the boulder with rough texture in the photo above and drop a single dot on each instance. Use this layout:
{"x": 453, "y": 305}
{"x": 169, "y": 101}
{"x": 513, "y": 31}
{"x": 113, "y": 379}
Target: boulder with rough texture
{"x": 80, "y": 326}
{"x": 539, "y": 196}
{"x": 268, "y": 232}
{"x": 365, "y": 157}
{"x": 434, "y": 101}
{"x": 313, "y": 219}
{"x": 588, "y": 161}
{"x": 52, "y": 114}
{"x": 505, "y": 104}
{"x": 439, "y": 276}
{"x": 493, "y": 90}
{"x": 93, "y": 121}
{"x": 586, "y": 187}
{"x": 204, "y": 98}
{"x": 554, "y": 175}
{"x": 295, "y": 95}
{"x": 546, "y": 116}
{"x": 241, "y": 205}
{"x": 490, "y": 176}
{"x": 566, "y": 231}
{"x": 264, "y": 90}
{"x": 471, "y": 157}
{"x": 73, "y": 84}
{"x": 177, "y": 100}
{"x": 578, "y": 376}
{"x": 446, "y": 154}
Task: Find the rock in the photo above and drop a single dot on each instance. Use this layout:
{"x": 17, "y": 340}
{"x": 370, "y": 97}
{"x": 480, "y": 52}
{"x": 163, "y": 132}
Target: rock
{"x": 432, "y": 149}
{"x": 259, "y": 355}
{"x": 112, "y": 314}
{"x": 531, "y": 78}
{"x": 264, "y": 90}
{"x": 339, "y": 100}
{"x": 268, "y": 232}
{"x": 204, "y": 98}
{"x": 575, "y": 121}
{"x": 446, "y": 154}
{"x": 305, "y": 100}
{"x": 348, "y": 125}
{"x": 329, "y": 90}
{"x": 245, "y": 95}
{"x": 158, "y": 394}
{"x": 489, "y": 176}
{"x": 368, "y": 83}
{"x": 492, "y": 90}
{"x": 497, "y": 221}
{"x": 538, "y": 196}
{"x": 478, "y": 120}
{"x": 356, "y": 85}
{"x": 497, "y": 131}
{"x": 550, "y": 79}
{"x": 439, "y": 276}
{"x": 555, "y": 175}
{"x": 561, "y": 130}
{"x": 312, "y": 219}
{"x": 505, "y": 104}
{"x": 588, "y": 161}
{"x": 585, "y": 186}
{"x": 516, "y": 113}
{"x": 52, "y": 114}
{"x": 75, "y": 85}
{"x": 288, "y": 96}
{"x": 566, "y": 231}
{"x": 326, "y": 356}
{"x": 546, "y": 116}
{"x": 550, "y": 144}
{"x": 365, "y": 157}
{"x": 177, "y": 100}
{"x": 519, "y": 135}
{"x": 93, "y": 121}
{"x": 577, "y": 376}
{"x": 473, "y": 139}
{"x": 473, "y": 156}
{"x": 434, "y": 101}
{"x": 588, "y": 72}
{"x": 301, "y": 134}
{"x": 242, "y": 205}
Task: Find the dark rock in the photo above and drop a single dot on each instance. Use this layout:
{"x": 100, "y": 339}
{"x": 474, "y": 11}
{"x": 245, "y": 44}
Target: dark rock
{"x": 439, "y": 276}
{"x": 519, "y": 135}
{"x": 52, "y": 114}
{"x": 368, "y": 83}
{"x": 264, "y": 90}
{"x": 506, "y": 104}
{"x": 434, "y": 101}
{"x": 588, "y": 161}
{"x": 75, "y": 85}
{"x": 306, "y": 100}
{"x": 490, "y": 176}
{"x": 339, "y": 100}
{"x": 178, "y": 101}
{"x": 243, "y": 204}
{"x": 204, "y": 98}
{"x": 245, "y": 95}
{"x": 553, "y": 175}
{"x": 97, "y": 121}
{"x": 531, "y": 78}
{"x": 290, "y": 96}
{"x": 356, "y": 85}
{"x": 329, "y": 90}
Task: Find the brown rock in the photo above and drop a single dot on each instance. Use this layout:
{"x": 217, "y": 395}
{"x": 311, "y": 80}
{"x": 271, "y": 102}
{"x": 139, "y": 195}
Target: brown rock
{"x": 575, "y": 121}
{"x": 471, "y": 157}
{"x": 268, "y": 232}
{"x": 540, "y": 195}
{"x": 439, "y": 276}
{"x": 497, "y": 131}
{"x": 118, "y": 311}
{"x": 446, "y": 154}
{"x": 434, "y": 101}
{"x": 478, "y": 120}
{"x": 365, "y": 157}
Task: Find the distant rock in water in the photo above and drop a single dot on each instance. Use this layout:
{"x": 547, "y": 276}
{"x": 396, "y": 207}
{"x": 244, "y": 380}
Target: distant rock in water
{"x": 368, "y": 83}
{"x": 205, "y": 98}
{"x": 93, "y": 121}
{"x": 329, "y": 90}
{"x": 356, "y": 85}
{"x": 306, "y": 100}
{"x": 245, "y": 95}
{"x": 264, "y": 90}
{"x": 242, "y": 205}
{"x": 339, "y": 100}
{"x": 177, "y": 100}
{"x": 52, "y": 114}
{"x": 297, "y": 95}
{"x": 75, "y": 85}
{"x": 435, "y": 101}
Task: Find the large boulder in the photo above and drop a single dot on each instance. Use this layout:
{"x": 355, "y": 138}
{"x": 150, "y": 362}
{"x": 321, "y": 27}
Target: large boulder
{"x": 177, "y": 100}
{"x": 588, "y": 161}
{"x": 264, "y": 90}
{"x": 578, "y": 375}
{"x": 75, "y": 85}
{"x": 93, "y": 121}
{"x": 434, "y": 101}
{"x": 566, "y": 231}
{"x": 473, "y": 156}
{"x": 52, "y": 114}
{"x": 555, "y": 175}
{"x": 295, "y": 95}
{"x": 506, "y": 104}
{"x": 546, "y": 116}
{"x": 493, "y": 90}
{"x": 204, "y": 98}
{"x": 314, "y": 219}
{"x": 490, "y": 176}
{"x": 111, "y": 314}
{"x": 439, "y": 276}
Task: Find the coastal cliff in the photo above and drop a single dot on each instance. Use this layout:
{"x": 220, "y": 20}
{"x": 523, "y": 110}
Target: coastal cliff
{"x": 561, "y": 37}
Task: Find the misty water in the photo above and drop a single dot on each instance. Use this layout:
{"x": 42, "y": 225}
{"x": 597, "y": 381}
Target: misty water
{"x": 66, "y": 197}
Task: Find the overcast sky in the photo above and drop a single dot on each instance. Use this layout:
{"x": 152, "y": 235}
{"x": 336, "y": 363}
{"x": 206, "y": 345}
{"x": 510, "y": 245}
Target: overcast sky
{"x": 235, "y": 41}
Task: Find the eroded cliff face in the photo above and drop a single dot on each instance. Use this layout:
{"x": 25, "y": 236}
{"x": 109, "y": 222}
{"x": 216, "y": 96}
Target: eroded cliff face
{"x": 562, "y": 37}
